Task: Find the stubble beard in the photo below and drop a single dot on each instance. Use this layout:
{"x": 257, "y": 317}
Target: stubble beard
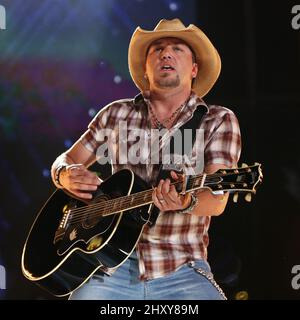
{"x": 167, "y": 82}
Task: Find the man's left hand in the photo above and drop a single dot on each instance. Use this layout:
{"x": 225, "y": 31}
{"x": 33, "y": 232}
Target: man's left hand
{"x": 166, "y": 198}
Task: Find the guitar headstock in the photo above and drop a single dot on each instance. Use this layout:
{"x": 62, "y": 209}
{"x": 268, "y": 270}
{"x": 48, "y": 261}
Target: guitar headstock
{"x": 242, "y": 179}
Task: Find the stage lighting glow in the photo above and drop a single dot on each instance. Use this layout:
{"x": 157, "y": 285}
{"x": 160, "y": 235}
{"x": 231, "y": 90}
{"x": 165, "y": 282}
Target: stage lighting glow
{"x": 173, "y": 6}
{"x": 92, "y": 112}
{"x": 46, "y": 173}
{"x": 68, "y": 143}
{"x": 117, "y": 79}
{"x": 102, "y": 64}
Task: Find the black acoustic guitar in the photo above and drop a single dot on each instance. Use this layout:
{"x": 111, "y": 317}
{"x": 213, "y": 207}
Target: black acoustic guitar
{"x": 71, "y": 239}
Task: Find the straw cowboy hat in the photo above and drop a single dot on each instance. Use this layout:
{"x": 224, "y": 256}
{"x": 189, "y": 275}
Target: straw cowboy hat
{"x": 207, "y": 57}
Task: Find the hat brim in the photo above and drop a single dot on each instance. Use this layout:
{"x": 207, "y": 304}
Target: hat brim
{"x": 207, "y": 57}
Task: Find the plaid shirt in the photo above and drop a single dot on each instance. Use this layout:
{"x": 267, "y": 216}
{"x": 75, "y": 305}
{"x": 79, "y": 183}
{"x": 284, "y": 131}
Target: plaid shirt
{"x": 175, "y": 238}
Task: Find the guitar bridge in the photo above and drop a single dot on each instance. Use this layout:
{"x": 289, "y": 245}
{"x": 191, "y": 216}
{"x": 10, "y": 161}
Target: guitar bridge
{"x": 60, "y": 232}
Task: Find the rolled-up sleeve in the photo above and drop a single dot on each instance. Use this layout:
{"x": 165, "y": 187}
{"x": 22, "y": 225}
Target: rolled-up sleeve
{"x": 224, "y": 144}
{"x": 94, "y": 136}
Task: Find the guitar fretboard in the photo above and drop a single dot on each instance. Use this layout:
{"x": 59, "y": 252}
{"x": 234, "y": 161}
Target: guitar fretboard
{"x": 145, "y": 197}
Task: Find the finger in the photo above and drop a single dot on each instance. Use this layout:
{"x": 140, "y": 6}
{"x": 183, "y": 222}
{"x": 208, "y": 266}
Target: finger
{"x": 158, "y": 189}
{"x": 84, "y": 187}
{"x": 173, "y": 195}
{"x": 156, "y": 200}
{"x": 166, "y": 195}
{"x": 75, "y": 168}
{"x": 165, "y": 188}
{"x": 174, "y": 175}
{"x": 160, "y": 202}
{"x": 92, "y": 178}
{"x": 80, "y": 170}
{"x": 82, "y": 195}
{"x": 91, "y": 175}
{"x": 163, "y": 202}
{"x": 85, "y": 180}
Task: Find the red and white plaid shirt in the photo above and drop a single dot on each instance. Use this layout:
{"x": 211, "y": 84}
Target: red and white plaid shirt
{"x": 175, "y": 238}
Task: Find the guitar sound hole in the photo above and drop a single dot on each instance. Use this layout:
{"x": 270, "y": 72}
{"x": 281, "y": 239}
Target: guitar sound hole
{"x": 90, "y": 222}
{"x": 94, "y": 215}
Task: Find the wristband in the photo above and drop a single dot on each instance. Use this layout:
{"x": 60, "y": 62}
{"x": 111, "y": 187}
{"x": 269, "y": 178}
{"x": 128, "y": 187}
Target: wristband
{"x": 193, "y": 204}
{"x": 57, "y": 173}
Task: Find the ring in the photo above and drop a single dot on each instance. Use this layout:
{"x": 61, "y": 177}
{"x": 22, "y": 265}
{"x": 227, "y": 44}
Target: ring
{"x": 162, "y": 200}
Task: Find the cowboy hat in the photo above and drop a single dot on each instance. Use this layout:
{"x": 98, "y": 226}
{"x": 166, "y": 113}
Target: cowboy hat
{"x": 207, "y": 57}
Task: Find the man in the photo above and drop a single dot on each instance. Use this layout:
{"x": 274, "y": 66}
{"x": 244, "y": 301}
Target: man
{"x": 174, "y": 67}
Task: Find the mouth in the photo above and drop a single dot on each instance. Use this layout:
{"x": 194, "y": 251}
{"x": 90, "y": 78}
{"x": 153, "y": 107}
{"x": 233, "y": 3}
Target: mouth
{"x": 167, "y": 68}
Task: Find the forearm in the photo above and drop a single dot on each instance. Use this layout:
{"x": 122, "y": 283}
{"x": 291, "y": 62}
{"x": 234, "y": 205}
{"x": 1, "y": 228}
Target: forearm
{"x": 77, "y": 154}
{"x": 210, "y": 204}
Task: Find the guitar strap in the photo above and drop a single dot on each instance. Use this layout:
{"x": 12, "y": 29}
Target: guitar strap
{"x": 192, "y": 124}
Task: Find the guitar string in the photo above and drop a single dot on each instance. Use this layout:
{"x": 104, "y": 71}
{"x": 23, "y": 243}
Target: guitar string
{"x": 191, "y": 185}
{"x": 94, "y": 212}
{"x": 137, "y": 196}
{"x": 191, "y": 181}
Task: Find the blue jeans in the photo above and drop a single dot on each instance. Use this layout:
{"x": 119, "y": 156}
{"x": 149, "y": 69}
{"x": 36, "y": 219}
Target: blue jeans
{"x": 192, "y": 281}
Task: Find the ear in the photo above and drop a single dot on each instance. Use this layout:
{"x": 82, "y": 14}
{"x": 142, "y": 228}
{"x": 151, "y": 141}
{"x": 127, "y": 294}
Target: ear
{"x": 145, "y": 71}
{"x": 194, "y": 70}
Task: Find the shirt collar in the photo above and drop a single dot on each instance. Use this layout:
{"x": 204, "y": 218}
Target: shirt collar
{"x": 139, "y": 102}
{"x": 193, "y": 102}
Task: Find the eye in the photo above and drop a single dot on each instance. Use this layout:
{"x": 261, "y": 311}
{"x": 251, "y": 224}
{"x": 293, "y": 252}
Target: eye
{"x": 156, "y": 49}
{"x": 177, "y": 49}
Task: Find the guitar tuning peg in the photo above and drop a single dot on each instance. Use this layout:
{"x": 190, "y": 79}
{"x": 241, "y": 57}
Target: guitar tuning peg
{"x": 244, "y": 165}
{"x": 235, "y": 197}
{"x": 248, "y": 197}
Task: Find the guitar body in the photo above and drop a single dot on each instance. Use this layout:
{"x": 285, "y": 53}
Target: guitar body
{"x": 71, "y": 239}
{"x": 61, "y": 262}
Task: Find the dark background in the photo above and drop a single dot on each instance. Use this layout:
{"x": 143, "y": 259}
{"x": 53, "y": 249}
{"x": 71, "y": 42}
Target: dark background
{"x": 58, "y": 63}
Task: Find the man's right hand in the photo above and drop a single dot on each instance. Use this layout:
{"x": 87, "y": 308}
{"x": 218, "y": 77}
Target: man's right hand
{"x": 78, "y": 180}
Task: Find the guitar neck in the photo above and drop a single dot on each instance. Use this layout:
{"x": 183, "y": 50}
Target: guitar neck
{"x": 145, "y": 197}
{"x": 244, "y": 179}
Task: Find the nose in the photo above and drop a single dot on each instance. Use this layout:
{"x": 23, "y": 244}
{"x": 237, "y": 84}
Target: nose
{"x": 166, "y": 54}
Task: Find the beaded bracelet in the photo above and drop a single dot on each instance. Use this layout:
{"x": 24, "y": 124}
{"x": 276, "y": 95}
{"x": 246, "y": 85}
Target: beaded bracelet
{"x": 190, "y": 208}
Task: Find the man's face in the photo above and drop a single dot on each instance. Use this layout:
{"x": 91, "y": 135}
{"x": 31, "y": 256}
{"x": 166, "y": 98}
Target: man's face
{"x": 169, "y": 64}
